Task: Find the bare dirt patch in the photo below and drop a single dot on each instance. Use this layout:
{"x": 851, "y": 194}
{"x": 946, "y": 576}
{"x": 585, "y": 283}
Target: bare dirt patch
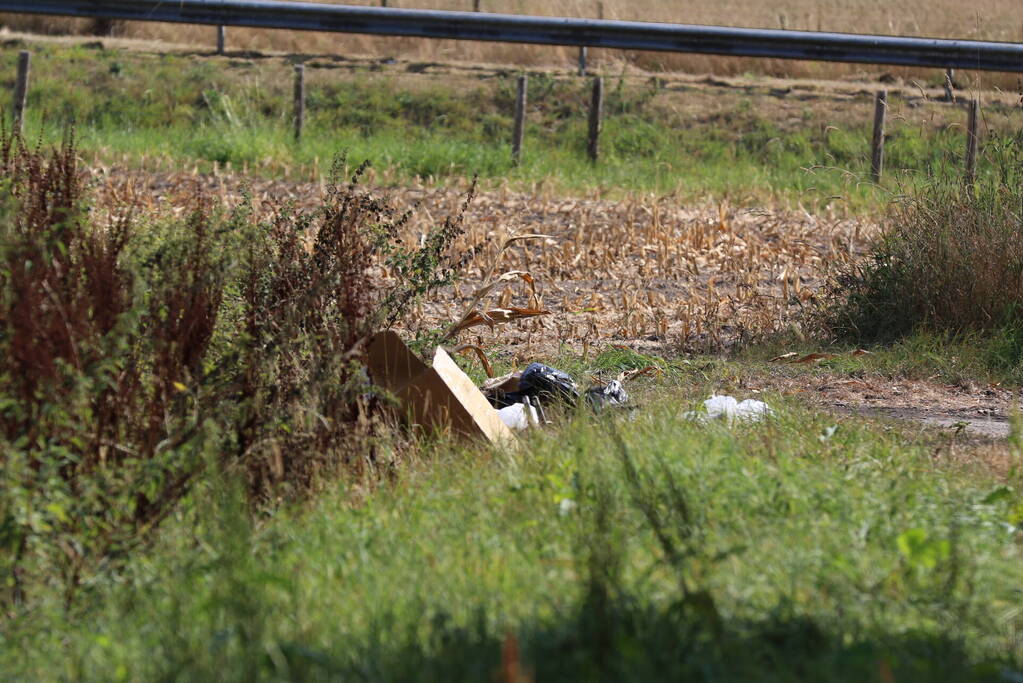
{"x": 979, "y": 411}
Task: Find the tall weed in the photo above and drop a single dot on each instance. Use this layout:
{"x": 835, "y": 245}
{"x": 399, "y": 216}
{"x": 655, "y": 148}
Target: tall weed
{"x": 134, "y": 356}
{"x": 949, "y": 261}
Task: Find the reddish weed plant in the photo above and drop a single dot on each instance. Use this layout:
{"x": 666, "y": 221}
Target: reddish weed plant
{"x": 135, "y": 354}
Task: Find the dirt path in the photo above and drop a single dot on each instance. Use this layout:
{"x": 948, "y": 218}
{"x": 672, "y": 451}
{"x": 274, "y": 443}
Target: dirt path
{"x": 979, "y": 411}
{"x": 992, "y": 426}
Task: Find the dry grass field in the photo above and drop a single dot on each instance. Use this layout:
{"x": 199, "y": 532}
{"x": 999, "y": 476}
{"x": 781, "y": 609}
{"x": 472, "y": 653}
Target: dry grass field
{"x": 661, "y": 271}
{"x": 642, "y": 274}
{"x": 997, "y": 20}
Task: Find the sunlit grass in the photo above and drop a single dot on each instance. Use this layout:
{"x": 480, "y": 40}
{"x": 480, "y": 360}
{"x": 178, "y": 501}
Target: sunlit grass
{"x": 815, "y": 552}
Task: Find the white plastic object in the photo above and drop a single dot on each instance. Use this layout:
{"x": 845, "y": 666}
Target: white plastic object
{"x": 519, "y": 416}
{"x": 726, "y": 408}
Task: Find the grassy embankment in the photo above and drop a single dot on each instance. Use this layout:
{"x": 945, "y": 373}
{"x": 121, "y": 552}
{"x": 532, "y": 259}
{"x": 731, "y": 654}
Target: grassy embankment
{"x": 785, "y": 551}
{"x": 754, "y": 146}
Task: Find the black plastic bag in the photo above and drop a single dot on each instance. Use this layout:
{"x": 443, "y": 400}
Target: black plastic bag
{"x": 541, "y": 384}
{"x": 548, "y": 384}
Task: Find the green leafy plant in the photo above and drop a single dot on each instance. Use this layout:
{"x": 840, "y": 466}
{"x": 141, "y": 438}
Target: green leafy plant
{"x": 922, "y": 551}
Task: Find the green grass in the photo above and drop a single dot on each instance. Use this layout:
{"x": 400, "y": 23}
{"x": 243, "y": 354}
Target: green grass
{"x": 200, "y": 111}
{"x": 781, "y": 551}
{"x": 921, "y": 355}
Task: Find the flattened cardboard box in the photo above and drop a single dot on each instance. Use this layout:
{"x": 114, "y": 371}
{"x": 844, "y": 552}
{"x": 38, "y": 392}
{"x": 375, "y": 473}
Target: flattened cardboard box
{"x": 440, "y": 397}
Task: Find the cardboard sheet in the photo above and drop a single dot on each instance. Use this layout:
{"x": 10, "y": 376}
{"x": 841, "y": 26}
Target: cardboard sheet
{"x": 438, "y": 398}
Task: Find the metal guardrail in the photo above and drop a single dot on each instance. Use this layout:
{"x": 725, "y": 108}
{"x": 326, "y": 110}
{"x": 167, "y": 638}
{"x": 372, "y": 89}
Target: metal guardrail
{"x": 622, "y": 35}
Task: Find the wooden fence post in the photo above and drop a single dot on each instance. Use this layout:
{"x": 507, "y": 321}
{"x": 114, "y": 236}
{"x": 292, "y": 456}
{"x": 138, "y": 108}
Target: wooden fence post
{"x": 972, "y": 138}
{"x": 596, "y": 113}
{"x": 877, "y": 144}
{"x": 221, "y": 39}
{"x": 520, "y": 120}
{"x": 21, "y": 89}
{"x": 475, "y": 5}
{"x": 299, "y": 100}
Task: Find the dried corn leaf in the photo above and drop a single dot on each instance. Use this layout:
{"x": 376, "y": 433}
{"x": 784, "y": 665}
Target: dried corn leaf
{"x": 506, "y": 383}
{"x": 479, "y": 354}
{"x": 482, "y": 293}
{"x": 497, "y": 316}
{"x": 633, "y": 374}
{"x": 815, "y": 357}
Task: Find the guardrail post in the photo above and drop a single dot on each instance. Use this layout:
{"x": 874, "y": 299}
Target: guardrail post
{"x": 596, "y": 113}
{"x": 583, "y": 50}
{"x": 877, "y": 144}
{"x": 972, "y": 139}
{"x": 299, "y": 100}
{"x": 520, "y": 120}
{"x": 21, "y": 90}
{"x": 221, "y": 39}
{"x": 950, "y": 84}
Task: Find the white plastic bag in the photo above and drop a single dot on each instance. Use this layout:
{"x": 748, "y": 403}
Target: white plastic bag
{"x": 519, "y": 416}
{"x": 729, "y": 410}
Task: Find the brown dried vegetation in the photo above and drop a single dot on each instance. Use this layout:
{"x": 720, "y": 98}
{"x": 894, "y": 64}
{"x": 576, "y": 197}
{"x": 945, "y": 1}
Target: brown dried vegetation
{"x": 645, "y": 270}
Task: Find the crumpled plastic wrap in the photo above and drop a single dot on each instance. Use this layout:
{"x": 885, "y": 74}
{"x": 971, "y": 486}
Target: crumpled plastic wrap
{"x": 730, "y": 411}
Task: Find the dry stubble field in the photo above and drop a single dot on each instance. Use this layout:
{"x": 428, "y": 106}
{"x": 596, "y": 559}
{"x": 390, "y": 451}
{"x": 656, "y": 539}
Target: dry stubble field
{"x": 649, "y": 271}
{"x": 660, "y": 274}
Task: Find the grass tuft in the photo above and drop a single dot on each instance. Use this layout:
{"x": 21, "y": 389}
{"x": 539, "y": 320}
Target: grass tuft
{"x": 950, "y": 262}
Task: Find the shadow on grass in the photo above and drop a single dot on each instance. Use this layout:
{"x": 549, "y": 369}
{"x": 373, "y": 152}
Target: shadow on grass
{"x": 628, "y": 642}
